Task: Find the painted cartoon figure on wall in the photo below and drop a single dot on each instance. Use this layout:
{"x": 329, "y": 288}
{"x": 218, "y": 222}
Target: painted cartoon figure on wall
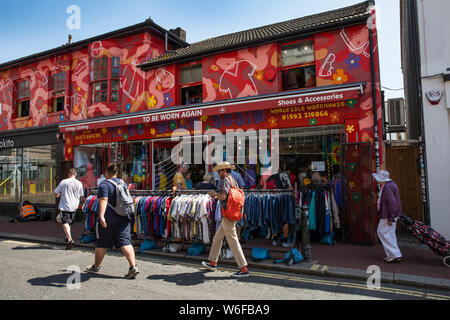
{"x": 239, "y": 74}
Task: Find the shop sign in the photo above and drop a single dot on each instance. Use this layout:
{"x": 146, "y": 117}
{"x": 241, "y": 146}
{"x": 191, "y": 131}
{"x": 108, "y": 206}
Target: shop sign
{"x": 6, "y": 143}
{"x": 256, "y": 104}
{"x": 318, "y": 166}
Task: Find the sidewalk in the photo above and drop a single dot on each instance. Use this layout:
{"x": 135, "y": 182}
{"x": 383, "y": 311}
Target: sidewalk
{"x": 420, "y": 267}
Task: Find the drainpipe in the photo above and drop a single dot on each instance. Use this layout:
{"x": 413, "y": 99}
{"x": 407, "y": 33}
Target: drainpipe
{"x": 374, "y": 99}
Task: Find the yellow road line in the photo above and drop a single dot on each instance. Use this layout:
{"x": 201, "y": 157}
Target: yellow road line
{"x": 329, "y": 283}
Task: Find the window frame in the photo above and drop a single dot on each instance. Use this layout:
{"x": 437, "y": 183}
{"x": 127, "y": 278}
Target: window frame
{"x": 296, "y": 66}
{"x": 189, "y": 84}
{"x": 107, "y": 78}
{"x": 19, "y": 99}
{"x": 61, "y": 92}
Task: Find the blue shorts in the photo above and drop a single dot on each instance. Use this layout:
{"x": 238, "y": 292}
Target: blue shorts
{"x": 114, "y": 235}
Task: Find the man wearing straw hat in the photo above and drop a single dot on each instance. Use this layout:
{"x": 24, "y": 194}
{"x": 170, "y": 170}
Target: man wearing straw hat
{"x": 389, "y": 209}
{"x": 227, "y": 227}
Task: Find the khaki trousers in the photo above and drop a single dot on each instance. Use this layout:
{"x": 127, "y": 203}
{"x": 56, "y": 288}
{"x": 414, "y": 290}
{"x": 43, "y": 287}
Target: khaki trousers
{"x": 227, "y": 229}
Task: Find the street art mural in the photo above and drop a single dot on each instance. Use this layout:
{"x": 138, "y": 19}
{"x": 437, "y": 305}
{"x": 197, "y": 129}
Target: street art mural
{"x": 242, "y": 73}
{"x": 343, "y": 56}
{"x": 77, "y": 67}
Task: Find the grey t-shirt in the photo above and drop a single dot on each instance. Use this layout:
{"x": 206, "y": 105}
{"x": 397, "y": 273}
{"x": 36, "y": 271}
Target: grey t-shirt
{"x": 71, "y": 191}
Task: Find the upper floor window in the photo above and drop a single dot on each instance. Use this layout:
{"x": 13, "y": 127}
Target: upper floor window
{"x": 59, "y": 91}
{"x": 297, "y": 65}
{"x": 105, "y": 78}
{"x": 191, "y": 87}
{"x": 23, "y": 99}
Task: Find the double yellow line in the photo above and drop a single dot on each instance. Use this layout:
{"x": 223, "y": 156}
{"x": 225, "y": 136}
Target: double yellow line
{"x": 330, "y": 283}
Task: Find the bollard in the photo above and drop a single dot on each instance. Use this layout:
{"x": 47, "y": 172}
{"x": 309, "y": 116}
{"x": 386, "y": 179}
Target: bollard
{"x": 306, "y": 241}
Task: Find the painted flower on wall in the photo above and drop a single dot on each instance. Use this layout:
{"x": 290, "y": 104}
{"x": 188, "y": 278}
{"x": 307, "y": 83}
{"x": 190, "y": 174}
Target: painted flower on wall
{"x": 168, "y": 99}
{"x": 335, "y": 117}
{"x": 313, "y": 121}
{"x": 352, "y": 103}
{"x": 352, "y": 167}
{"x": 125, "y": 136}
{"x": 76, "y": 110}
{"x": 356, "y": 196}
{"x": 104, "y": 131}
{"x": 128, "y": 107}
{"x": 61, "y": 117}
{"x": 152, "y": 131}
{"x": 353, "y": 61}
{"x": 340, "y": 77}
{"x": 152, "y": 101}
{"x": 172, "y": 125}
{"x": 273, "y": 122}
{"x": 350, "y": 128}
{"x": 259, "y": 75}
{"x": 204, "y": 118}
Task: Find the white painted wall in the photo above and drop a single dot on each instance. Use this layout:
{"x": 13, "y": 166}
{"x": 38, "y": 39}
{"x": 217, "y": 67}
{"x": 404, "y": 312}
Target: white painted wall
{"x": 434, "y": 31}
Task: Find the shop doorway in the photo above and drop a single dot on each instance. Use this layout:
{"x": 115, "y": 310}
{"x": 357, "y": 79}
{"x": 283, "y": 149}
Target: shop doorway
{"x": 359, "y": 215}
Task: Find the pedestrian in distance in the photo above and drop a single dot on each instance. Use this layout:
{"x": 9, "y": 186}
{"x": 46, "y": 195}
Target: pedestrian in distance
{"x": 112, "y": 229}
{"x": 390, "y": 209}
{"x": 227, "y": 228}
{"x": 179, "y": 182}
{"x": 70, "y": 192}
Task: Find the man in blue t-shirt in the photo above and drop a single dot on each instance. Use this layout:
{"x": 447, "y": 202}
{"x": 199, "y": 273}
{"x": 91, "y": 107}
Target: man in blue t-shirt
{"x": 112, "y": 230}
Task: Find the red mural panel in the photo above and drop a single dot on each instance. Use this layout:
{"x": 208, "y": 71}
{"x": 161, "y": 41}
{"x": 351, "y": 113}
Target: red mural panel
{"x": 77, "y": 66}
{"x": 343, "y": 56}
{"x": 161, "y": 88}
{"x": 242, "y": 73}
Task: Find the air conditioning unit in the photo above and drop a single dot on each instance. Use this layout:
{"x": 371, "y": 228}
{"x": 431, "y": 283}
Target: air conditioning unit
{"x": 396, "y": 115}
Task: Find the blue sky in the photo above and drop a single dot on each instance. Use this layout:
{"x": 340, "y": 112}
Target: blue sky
{"x": 29, "y": 26}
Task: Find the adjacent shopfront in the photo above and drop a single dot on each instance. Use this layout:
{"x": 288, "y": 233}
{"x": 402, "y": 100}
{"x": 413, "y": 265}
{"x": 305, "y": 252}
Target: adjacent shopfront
{"x": 29, "y": 167}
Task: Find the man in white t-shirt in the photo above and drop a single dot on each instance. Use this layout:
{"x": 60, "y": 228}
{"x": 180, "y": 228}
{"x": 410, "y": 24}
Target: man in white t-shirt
{"x": 70, "y": 192}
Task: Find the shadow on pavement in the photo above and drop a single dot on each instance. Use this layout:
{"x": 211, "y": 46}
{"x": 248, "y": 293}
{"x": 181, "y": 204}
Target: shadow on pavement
{"x": 196, "y": 278}
{"x": 33, "y": 248}
{"x": 67, "y": 277}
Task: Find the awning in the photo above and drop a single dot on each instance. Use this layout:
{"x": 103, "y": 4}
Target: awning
{"x": 262, "y": 102}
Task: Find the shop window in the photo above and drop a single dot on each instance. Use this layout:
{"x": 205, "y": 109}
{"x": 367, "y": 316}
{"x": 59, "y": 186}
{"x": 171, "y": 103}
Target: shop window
{"x": 105, "y": 77}
{"x": 191, "y": 88}
{"x": 38, "y": 174}
{"x": 297, "y": 65}
{"x": 23, "y": 99}
{"x": 59, "y": 91}
{"x": 132, "y": 157}
{"x": 311, "y": 155}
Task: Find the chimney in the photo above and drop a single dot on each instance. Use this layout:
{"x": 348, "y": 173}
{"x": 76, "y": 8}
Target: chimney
{"x": 70, "y": 39}
{"x": 180, "y": 33}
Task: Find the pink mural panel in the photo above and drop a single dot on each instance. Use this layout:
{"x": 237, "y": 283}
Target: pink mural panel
{"x": 242, "y": 73}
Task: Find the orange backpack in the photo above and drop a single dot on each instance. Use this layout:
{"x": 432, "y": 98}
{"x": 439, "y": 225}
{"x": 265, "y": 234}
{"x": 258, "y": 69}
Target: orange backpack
{"x": 235, "y": 203}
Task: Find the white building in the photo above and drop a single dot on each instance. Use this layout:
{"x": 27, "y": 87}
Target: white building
{"x": 426, "y": 69}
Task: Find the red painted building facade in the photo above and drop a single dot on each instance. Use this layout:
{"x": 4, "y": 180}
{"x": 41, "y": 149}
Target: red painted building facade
{"x": 315, "y": 79}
